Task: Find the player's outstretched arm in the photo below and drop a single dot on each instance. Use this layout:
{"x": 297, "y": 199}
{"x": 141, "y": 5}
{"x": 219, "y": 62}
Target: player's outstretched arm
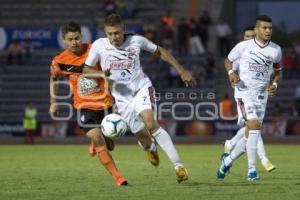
{"x": 92, "y": 72}
{"x": 186, "y": 77}
{"x": 233, "y": 77}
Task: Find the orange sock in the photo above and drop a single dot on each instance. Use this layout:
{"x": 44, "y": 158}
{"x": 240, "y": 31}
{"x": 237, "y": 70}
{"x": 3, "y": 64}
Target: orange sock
{"x": 92, "y": 150}
{"x": 108, "y": 162}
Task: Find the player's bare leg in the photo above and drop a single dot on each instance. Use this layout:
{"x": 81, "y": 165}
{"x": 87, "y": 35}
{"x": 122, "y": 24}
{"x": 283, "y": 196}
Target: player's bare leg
{"x": 110, "y": 144}
{"x": 146, "y": 141}
{"x": 165, "y": 142}
{"x": 104, "y": 155}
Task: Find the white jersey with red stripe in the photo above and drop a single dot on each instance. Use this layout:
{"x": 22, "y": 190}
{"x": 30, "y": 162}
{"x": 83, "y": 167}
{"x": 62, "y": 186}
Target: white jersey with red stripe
{"x": 257, "y": 63}
{"x": 123, "y": 61}
{"x": 131, "y": 88}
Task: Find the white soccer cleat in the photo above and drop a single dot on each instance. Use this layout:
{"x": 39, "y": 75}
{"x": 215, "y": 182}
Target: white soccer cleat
{"x": 269, "y": 166}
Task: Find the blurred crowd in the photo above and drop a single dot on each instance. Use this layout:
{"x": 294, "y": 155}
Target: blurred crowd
{"x": 19, "y": 52}
{"x": 189, "y": 39}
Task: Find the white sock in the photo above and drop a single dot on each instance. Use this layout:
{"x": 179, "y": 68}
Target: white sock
{"x": 251, "y": 147}
{"x": 239, "y": 149}
{"x": 228, "y": 160}
{"x": 261, "y": 150}
{"x": 164, "y": 140}
{"x": 240, "y": 133}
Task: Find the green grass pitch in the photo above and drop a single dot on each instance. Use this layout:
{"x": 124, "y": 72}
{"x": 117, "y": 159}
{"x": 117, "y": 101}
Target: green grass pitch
{"x": 64, "y": 172}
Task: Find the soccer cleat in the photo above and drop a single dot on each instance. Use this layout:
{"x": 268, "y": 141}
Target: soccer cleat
{"x": 252, "y": 176}
{"x": 181, "y": 174}
{"x": 223, "y": 168}
{"x": 92, "y": 150}
{"x": 110, "y": 144}
{"x": 153, "y": 158}
{"x": 121, "y": 181}
{"x": 269, "y": 166}
{"x": 227, "y": 147}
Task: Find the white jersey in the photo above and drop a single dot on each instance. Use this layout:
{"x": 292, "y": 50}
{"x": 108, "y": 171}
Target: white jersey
{"x": 255, "y": 63}
{"x": 235, "y": 66}
{"x": 123, "y": 62}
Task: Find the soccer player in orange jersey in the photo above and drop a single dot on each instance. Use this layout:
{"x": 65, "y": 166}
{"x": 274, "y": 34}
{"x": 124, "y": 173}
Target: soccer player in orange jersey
{"x": 90, "y": 98}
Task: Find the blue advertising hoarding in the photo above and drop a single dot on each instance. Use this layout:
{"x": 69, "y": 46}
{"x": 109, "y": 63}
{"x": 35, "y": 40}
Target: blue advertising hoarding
{"x": 46, "y": 37}
{"x": 42, "y": 38}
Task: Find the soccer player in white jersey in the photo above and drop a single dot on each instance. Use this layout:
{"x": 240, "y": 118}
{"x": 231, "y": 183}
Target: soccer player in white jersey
{"x": 231, "y": 145}
{"x": 259, "y": 73}
{"x": 132, "y": 89}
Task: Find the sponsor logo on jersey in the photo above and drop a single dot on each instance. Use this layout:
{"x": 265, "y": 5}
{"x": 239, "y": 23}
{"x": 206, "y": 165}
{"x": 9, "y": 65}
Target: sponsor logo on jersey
{"x": 121, "y": 64}
{"x": 258, "y": 68}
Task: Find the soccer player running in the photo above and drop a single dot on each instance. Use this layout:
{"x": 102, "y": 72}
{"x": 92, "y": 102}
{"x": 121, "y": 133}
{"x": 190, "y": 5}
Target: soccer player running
{"x": 238, "y": 142}
{"x": 92, "y": 99}
{"x": 259, "y": 73}
{"x": 131, "y": 88}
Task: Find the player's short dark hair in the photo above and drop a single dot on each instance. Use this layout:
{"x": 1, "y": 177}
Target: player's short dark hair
{"x": 263, "y": 18}
{"x": 249, "y": 28}
{"x": 70, "y": 27}
{"x": 113, "y": 20}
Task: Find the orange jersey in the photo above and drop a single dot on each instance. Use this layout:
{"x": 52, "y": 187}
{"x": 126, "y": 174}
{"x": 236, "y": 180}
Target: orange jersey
{"x": 88, "y": 93}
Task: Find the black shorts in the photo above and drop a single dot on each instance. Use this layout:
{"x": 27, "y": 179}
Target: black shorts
{"x": 90, "y": 119}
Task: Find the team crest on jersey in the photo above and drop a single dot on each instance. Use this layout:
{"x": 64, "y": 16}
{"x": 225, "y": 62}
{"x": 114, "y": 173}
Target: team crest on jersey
{"x": 87, "y": 86}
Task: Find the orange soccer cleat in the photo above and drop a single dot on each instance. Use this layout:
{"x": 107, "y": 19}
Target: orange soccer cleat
{"x": 121, "y": 181}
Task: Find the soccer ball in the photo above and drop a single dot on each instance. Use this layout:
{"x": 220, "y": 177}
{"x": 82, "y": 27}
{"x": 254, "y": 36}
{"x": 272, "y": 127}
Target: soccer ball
{"x": 113, "y": 126}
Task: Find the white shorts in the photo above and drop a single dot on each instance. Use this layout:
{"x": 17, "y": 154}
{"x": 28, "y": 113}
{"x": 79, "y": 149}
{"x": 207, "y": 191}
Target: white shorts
{"x": 251, "y": 105}
{"x": 129, "y": 107}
